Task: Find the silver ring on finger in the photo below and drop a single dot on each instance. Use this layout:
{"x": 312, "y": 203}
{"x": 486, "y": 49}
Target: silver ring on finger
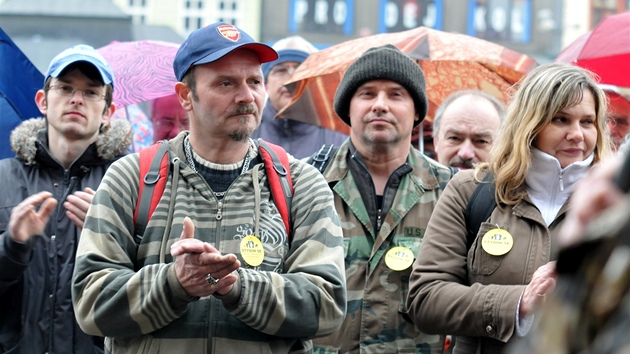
{"x": 211, "y": 280}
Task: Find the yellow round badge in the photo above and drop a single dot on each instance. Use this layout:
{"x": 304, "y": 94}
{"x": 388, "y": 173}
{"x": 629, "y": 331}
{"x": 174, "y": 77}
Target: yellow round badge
{"x": 399, "y": 258}
{"x": 497, "y": 242}
{"x": 252, "y": 250}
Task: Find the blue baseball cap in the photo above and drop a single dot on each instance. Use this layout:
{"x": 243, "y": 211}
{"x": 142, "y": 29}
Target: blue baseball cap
{"x": 213, "y": 42}
{"x": 285, "y": 55}
{"x": 81, "y": 52}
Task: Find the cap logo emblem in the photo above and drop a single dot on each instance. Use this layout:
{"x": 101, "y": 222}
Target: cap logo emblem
{"x": 229, "y": 32}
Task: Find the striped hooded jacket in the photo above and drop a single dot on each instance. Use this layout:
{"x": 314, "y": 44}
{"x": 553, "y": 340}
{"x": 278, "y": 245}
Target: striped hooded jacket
{"x": 129, "y": 292}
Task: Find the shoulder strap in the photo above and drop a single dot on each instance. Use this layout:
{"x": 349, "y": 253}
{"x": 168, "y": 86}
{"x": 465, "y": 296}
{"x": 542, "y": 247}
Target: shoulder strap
{"x": 321, "y": 158}
{"x": 153, "y": 175}
{"x": 279, "y": 176}
{"x": 479, "y": 207}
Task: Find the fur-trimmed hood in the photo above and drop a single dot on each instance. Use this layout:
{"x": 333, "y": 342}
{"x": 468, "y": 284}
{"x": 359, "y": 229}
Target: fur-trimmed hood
{"x": 113, "y": 140}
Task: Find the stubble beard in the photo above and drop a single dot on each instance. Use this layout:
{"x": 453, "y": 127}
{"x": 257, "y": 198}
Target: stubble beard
{"x": 243, "y": 133}
{"x": 372, "y": 138}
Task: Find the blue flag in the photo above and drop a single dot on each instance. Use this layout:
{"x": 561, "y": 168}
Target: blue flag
{"x": 19, "y": 81}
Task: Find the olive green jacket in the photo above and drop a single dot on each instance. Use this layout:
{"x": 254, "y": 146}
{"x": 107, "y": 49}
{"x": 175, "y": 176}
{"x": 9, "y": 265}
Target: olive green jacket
{"x": 375, "y": 322}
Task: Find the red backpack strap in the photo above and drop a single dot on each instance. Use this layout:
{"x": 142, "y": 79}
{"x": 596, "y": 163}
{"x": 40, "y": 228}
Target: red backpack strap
{"x": 279, "y": 175}
{"x": 153, "y": 175}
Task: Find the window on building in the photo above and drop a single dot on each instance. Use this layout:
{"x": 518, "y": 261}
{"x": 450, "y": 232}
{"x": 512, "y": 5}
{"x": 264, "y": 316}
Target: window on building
{"x": 500, "y": 20}
{"x": 227, "y": 11}
{"x": 602, "y": 9}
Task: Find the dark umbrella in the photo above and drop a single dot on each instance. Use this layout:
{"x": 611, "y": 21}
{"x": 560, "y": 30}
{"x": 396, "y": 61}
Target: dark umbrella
{"x": 19, "y": 81}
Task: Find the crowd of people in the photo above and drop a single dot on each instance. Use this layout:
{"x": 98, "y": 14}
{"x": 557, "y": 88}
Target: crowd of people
{"x": 277, "y": 236}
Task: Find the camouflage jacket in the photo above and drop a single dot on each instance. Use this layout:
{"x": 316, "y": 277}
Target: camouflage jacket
{"x": 375, "y": 322}
{"x": 130, "y": 293}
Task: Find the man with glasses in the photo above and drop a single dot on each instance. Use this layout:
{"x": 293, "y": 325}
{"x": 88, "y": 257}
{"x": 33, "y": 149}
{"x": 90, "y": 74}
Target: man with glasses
{"x": 167, "y": 117}
{"x": 297, "y": 138}
{"x": 618, "y": 115}
{"x": 47, "y": 188}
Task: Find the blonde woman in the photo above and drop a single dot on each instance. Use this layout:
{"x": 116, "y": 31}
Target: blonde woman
{"x": 485, "y": 289}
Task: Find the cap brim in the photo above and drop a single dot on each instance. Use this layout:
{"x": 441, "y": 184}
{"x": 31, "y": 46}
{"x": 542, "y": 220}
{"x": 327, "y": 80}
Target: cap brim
{"x": 265, "y": 53}
{"x": 60, "y": 67}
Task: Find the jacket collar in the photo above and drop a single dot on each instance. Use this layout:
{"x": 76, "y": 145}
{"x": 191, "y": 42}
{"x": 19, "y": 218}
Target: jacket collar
{"x": 29, "y": 141}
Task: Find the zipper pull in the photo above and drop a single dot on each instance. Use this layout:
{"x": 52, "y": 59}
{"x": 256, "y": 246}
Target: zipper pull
{"x": 219, "y": 208}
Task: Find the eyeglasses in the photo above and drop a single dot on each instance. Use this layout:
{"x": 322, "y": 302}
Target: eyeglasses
{"x": 69, "y": 91}
{"x": 169, "y": 124}
{"x": 282, "y": 71}
{"x": 618, "y": 121}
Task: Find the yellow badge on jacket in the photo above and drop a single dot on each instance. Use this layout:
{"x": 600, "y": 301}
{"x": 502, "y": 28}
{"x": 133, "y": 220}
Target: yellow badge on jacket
{"x": 252, "y": 250}
{"x": 399, "y": 258}
{"x": 497, "y": 242}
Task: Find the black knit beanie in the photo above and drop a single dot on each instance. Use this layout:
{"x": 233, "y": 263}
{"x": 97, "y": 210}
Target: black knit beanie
{"x": 382, "y": 63}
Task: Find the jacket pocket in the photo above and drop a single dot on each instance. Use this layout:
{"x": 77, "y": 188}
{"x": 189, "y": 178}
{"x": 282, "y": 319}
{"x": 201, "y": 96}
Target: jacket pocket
{"x": 481, "y": 262}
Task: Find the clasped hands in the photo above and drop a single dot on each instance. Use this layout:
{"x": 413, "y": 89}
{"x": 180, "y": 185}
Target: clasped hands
{"x": 196, "y": 261}
{"x": 30, "y": 217}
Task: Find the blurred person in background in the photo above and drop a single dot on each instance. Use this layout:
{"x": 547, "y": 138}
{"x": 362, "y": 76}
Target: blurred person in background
{"x": 465, "y": 126}
{"x": 618, "y": 115}
{"x": 167, "y": 117}
{"x": 298, "y": 138}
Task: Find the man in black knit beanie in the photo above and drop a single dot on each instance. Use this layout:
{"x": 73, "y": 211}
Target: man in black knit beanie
{"x": 385, "y": 191}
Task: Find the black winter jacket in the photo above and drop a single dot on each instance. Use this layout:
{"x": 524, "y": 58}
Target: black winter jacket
{"x": 36, "y": 314}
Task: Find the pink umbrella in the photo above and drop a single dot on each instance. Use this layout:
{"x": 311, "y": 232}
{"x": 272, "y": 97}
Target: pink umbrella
{"x": 605, "y": 50}
{"x": 143, "y": 70}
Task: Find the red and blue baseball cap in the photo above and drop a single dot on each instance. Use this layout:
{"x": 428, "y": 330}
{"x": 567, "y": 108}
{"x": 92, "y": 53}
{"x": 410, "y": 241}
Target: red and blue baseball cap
{"x": 213, "y": 42}
{"x": 81, "y": 52}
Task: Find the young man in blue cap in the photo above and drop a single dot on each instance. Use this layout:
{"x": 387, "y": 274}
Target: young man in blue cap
{"x": 298, "y": 138}
{"x": 215, "y": 271}
{"x": 47, "y": 188}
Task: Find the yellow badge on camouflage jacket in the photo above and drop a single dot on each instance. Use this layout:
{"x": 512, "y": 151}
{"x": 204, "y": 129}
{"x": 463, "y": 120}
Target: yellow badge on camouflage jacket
{"x": 399, "y": 258}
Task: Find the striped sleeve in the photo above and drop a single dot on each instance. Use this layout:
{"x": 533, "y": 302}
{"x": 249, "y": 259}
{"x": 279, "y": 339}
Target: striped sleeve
{"x": 309, "y": 298}
{"x": 105, "y": 280}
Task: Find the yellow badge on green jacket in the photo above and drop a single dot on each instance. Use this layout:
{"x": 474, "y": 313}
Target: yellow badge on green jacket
{"x": 399, "y": 258}
{"x": 252, "y": 250}
{"x": 497, "y": 242}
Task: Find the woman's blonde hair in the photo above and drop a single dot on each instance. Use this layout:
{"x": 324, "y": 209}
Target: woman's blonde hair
{"x": 540, "y": 95}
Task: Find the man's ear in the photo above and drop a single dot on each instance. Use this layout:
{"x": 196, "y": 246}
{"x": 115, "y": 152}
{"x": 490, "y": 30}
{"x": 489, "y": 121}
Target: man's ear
{"x": 108, "y": 114}
{"x": 41, "y": 101}
{"x": 184, "y": 95}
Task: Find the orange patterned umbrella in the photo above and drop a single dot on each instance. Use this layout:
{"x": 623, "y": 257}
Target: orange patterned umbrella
{"x": 451, "y": 62}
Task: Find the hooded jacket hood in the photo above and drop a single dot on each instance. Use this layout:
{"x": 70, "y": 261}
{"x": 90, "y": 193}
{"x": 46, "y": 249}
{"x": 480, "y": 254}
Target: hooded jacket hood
{"x": 113, "y": 140}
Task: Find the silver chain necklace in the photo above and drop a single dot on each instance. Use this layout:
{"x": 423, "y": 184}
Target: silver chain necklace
{"x": 191, "y": 161}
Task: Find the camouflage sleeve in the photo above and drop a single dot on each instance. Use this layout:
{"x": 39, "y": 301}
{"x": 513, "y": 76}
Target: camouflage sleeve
{"x": 309, "y": 298}
{"x": 105, "y": 281}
